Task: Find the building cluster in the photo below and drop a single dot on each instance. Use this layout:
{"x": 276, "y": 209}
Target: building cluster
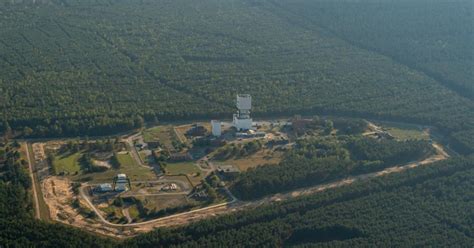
{"x": 250, "y": 134}
{"x": 120, "y": 183}
{"x": 241, "y": 119}
{"x": 104, "y": 187}
{"x": 196, "y": 130}
{"x": 170, "y": 187}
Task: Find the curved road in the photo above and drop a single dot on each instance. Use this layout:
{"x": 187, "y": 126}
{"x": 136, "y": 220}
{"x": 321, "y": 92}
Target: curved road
{"x": 134, "y": 152}
{"x": 236, "y": 205}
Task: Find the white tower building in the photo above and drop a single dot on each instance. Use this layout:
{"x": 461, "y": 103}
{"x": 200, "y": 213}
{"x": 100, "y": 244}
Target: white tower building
{"x": 242, "y": 120}
{"x": 216, "y": 128}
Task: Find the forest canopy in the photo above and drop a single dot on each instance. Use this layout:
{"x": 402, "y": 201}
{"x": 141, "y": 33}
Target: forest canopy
{"x": 100, "y": 67}
{"x": 95, "y": 67}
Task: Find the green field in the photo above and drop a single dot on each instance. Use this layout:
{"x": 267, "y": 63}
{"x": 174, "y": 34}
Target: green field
{"x": 181, "y": 168}
{"x": 127, "y": 165}
{"x": 164, "y": 134}
{"x": 133, "y": 211}
{"x": 67, "y": 163}
{"x": 143, "y": 156}
{"x": 406, "y": 132}
{"x": 126, "y": 160}
{"x": 151, "y": 134}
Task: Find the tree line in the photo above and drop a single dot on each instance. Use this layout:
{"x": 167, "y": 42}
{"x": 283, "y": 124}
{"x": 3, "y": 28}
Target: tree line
{"x": 321, "y": 160}
{"x": 98, "y": 69}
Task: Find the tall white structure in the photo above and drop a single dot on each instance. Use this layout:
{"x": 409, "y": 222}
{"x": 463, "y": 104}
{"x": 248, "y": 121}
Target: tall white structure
{"x": 242, "y": 120}
{"x": 216, "y": 128}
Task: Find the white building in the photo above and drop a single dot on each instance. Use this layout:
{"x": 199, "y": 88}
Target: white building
{"x": 216, "y": 128}
{"x": 121, "y": 183}
{"x": 242, "y": 120}
{"x": 104, "y": 187}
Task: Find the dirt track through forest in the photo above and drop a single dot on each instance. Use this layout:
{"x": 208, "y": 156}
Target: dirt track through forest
{"x": 237, "y": 205}
{"x": 33, "y": 184}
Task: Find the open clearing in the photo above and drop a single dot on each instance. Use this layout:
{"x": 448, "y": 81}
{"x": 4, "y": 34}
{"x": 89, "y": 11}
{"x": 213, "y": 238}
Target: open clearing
{"x": 180, "y": 168}
{"x": 261, "y": 157}
{"x": 163, "y": 201}
{"x": 403, "y": 131}
{"x": 189, "y": 201}
{"x": 126, "y": 160}
{"x": 163, "y": 134}
{"x": 128, "y": 166}
{"x": 68, "y": 163}
{"x": 225, "y": 208}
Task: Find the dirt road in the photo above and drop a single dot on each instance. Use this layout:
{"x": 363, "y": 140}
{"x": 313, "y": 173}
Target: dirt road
{"x": 134, "y": 152}
{"x": 236, "y": 205}
{"x": 33, "y": 182}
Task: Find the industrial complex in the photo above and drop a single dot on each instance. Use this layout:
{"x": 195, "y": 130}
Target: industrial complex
{"x": 155, "y": 171}
{"x": 242, "y": 120}
{"x": 167, "y": 169}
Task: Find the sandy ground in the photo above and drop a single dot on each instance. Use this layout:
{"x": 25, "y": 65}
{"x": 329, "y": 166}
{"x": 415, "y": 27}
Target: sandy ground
{"x": 58, "y": 195}
{"x": 186, "y": 218}
{"x": 235, "y": 205}
{"x": 105, "y": 164}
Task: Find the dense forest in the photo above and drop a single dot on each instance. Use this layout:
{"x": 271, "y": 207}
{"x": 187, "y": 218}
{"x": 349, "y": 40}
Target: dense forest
{"x": 321, "y": 160}
{"x": 95, "y": 67}
{"x": 432, "y": 36}
{"x": 98, "y": 67}
{"x": 426, "y": 206}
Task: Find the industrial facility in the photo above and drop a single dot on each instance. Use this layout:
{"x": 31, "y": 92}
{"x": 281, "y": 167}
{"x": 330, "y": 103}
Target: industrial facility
{"x": 242, "y": 120}
{"x": 216, "y": 128}
{"x": 120, "y": 183}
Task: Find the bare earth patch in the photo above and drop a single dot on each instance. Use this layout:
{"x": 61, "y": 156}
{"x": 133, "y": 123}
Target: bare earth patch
{"x": 58, "y": 195}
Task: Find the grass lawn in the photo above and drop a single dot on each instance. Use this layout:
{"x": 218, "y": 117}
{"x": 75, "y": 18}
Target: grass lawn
{"x": 151, "y": 134}
{"x": 133, "y": 212}
{"x": 163, "y": 201}
{"x": 143, "y": 155}
{"x": 181, "y": 168}
{"x": 164, "y": 134}
{"x": 108, "y": 210}
{"x": 127, "y": 165}
{"x": 126, "y": 160}
{"x": 259, "y": 158}
{"x": 406, "y": 132}
{"x": 181, "y": 131}
{"x": 67, "y": 162}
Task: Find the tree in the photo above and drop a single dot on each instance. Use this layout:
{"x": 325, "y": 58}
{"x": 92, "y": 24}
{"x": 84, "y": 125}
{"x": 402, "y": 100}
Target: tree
{"x": 118, "y": 202}
{"x": 27, "y": 131}
{"x": 114, "y": 161}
